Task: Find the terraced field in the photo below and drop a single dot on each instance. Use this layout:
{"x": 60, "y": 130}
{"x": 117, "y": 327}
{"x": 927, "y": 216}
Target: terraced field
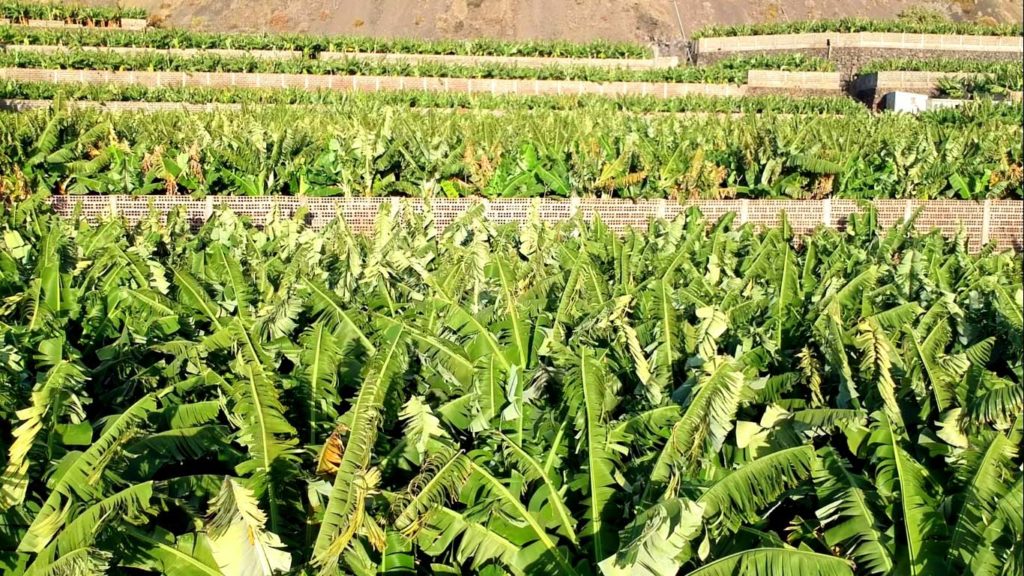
{"x": 311, "y": 305}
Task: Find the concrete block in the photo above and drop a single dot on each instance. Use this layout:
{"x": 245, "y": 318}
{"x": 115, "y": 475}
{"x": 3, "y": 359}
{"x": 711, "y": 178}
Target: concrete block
{"x": 905, "y": 102}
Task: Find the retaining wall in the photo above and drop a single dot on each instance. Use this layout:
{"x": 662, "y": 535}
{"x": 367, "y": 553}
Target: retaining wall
{"x": 851, "y": 51}
{"x": 849, "y": 60}
{"x": 16, "y": 105}
{"x": 794, "y": 83}
{"x": 894, "y": 40}
{"x": 997, "y": 221}
{"x": 133, "y": 24}
{"x": 368, "y": 83}
{"x": 412, "y": 59}
{"x": 759, "y": 82}
{"x": 519, "y": 61}
{"x": 871, "y": 88}
{"x": 179, "y": 52}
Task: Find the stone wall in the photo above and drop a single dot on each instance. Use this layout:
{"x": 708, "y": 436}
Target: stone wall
{"x": 997, "y": 221}
{"x": 849, "y": 60}
{"x": 871, "y": 88}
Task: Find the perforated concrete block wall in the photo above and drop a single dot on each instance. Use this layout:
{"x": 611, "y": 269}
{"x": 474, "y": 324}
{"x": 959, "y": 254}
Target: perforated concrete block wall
{"x": 997, "y": 221}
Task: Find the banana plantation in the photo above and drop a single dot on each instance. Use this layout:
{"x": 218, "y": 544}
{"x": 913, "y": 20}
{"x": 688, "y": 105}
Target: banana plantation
{"x": 467, "y": 317}
{"x": 374, "y": 149}
{"x": 694, "y": 398}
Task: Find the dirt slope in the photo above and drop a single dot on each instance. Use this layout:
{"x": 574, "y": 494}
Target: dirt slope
{"x": 634, "y": 20}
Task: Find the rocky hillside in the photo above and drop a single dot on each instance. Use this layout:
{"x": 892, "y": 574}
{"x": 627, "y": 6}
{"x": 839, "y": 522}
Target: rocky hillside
{"x": 635, "y": 20}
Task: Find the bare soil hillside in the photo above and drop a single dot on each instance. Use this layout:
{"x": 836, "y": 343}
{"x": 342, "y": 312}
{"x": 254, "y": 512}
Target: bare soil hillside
{"x": 632, "y": 20}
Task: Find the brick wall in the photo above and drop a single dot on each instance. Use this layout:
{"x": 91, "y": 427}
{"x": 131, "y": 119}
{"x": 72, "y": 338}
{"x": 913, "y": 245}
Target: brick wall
{"x": 997, "y": 221}
{"x": 368, "y": 83}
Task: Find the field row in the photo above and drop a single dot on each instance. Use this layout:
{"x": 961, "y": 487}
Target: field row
{"x": 39, "y": 91}
{"x": 371, "y": 149}
{"x": 764, "y": 91}
{"x": 796, "y": 75}
{"x": 727, "y": 71}
{"x": 312, "y": 45}
{"x": 909, "y": 24}
{"x": 510, "y": 401}
{"x": 286, "y": 47}
{"x": 17, "y": 11}
{"x": 371, "y": 57}
{"x": 288, "y": 63}
{"x": 21, "y": 12}
{"x": 759, "y": 83}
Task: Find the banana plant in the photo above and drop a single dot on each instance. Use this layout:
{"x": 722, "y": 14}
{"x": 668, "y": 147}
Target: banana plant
{"x": 694, "y": 398}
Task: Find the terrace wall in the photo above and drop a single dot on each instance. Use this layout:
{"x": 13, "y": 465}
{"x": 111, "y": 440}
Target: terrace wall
{"x": 369, "y": 83}
{"x": 178, "y": 52}
{"x": 411, "y": 59}
{"x": 997, "y": 221}
{"x": 759, "y": 82}
{"x": 16, "y": 105}
{"x": 849, "y": 60}
{"x": 851, "y": 51}
{"x": 794, "y": 83}
{"x": 872, "y": 87}
{"x": 133, "y": 24}
{"x": 519, "y": 61}
{"x": 873, "y": 40}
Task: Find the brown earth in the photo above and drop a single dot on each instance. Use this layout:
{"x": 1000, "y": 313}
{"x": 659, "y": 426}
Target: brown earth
{"x": 578, "y": 20}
